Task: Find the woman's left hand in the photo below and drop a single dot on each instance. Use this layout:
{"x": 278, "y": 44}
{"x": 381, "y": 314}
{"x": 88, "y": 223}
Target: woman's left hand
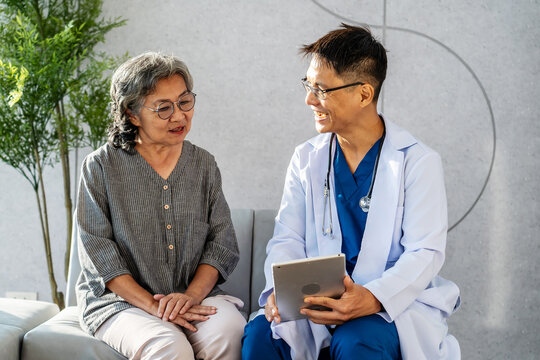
{"x": 173, "y": 304}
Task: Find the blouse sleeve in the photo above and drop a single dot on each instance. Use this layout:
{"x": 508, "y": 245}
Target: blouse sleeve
{"x": 221, "y": 248}
{"x": 98, "y": 251}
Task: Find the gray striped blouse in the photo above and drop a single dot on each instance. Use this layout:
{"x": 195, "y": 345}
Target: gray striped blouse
{"x": 132, "y": 221}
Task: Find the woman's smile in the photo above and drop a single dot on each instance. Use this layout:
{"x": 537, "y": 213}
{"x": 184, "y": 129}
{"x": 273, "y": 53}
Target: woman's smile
{"x": 179, "y": 130}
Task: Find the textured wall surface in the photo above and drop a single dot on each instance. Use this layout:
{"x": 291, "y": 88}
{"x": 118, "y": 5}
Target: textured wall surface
{"x": 463, "y": 77}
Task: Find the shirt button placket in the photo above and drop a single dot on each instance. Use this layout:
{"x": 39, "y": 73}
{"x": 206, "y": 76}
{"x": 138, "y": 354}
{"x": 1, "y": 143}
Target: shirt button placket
{"x": 168, "y": 216}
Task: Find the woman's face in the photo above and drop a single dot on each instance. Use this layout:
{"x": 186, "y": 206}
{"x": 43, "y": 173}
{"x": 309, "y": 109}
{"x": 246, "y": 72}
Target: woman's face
{"x": 155, "y": 131}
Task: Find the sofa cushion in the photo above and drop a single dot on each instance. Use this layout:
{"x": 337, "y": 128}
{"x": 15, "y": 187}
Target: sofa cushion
{"x": 263, "y": 229}
{"x": 74, "y": 265}
{"x": 10, "y": 342}
{"x": 61, "y": 338}
{"x": 16, "y": 318}
{"x": 238, "y": 282}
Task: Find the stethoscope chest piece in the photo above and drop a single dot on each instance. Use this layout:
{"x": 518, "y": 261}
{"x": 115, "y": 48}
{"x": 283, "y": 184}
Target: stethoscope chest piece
{"x": 364, "y": 203}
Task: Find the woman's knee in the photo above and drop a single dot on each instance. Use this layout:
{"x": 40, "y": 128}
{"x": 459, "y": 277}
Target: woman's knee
{"x": 228, "y": 324}
{"x": 167, "y": 345}
{"x": 220, "y": 336}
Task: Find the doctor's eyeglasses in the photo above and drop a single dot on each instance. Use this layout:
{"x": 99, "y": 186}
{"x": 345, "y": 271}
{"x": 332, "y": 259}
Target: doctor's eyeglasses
{"x": 320, "y": 93}
{"x": 165, "y": 109}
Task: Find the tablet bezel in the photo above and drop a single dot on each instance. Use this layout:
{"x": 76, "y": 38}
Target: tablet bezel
{"x": 291, "y": 277}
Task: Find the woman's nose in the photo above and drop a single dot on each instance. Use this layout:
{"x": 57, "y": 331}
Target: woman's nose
{"x": 178, "y": 114}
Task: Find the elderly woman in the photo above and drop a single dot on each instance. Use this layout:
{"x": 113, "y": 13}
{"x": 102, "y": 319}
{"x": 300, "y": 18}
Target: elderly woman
{"x": 155, "y": 230}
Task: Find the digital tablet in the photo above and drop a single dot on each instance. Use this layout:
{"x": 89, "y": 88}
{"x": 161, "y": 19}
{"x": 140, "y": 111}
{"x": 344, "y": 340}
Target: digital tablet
{"x": 297, "y": 279}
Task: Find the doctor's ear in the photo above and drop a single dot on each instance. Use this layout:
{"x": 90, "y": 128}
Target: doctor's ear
{"x": 366, "y": 93}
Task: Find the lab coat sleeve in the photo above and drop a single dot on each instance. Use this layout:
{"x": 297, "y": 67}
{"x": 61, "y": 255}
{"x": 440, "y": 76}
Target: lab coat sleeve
{"x": 423, "y": 238}
{"x": 288, "y": 241}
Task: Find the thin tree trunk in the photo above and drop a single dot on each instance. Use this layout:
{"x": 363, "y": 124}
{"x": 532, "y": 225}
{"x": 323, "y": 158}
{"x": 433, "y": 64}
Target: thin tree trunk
{"x": 58, "y": 297}
{"x": 64, "y": 158}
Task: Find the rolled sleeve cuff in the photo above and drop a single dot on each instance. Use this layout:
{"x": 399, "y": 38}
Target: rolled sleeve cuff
{"x": 99, "y": 285}
{"x": 222, "y": 258}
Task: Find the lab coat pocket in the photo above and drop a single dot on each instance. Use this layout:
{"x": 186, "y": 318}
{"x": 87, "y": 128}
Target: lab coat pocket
{"x": 397, "y": 224}
{"x": 441, "y": 294}
{"x": 396, "y": 249}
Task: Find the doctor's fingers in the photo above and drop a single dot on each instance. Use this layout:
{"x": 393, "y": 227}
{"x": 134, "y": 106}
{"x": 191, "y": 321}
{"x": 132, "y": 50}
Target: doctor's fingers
{"x": 326, "y": 322}
{"x": 271, "y": 313}
{"x": 270, "y": 309}
{"x": 325, "y": 317}
{"x": 323, "y": 300}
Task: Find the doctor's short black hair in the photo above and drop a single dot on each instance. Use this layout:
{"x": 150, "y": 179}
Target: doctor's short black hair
{"x": 353, "y": 53}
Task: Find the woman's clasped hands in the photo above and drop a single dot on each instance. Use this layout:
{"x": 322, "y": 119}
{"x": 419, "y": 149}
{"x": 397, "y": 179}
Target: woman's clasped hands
{"x": 182, "y": 309}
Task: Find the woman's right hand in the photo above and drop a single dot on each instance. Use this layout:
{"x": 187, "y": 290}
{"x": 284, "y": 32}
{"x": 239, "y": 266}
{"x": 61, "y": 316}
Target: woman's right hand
{"x": 194, "y": 313}
{"x": 270, "y": 309}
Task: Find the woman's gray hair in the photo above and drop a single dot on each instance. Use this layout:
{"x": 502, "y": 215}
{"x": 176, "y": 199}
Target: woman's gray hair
{"x": 131, "y": 83}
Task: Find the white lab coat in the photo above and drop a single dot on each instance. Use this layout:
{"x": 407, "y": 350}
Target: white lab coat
{"x": 402, "y": 251}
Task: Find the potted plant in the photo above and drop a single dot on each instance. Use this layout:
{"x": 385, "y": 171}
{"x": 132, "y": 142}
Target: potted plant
{"x": 53, "y": 94}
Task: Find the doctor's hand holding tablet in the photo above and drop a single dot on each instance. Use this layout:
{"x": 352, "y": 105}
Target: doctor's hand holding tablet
{"x": 318, "y": 289}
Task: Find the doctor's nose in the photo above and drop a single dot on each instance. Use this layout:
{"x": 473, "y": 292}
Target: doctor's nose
{"x": 311, "y": 99}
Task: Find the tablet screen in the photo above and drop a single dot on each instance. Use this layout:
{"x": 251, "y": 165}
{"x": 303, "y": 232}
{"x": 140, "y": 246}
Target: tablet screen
{"x": 297, "y": 279}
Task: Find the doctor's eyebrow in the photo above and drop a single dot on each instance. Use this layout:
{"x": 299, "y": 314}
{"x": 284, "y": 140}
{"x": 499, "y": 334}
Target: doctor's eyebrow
{"x": 316, "y": 84}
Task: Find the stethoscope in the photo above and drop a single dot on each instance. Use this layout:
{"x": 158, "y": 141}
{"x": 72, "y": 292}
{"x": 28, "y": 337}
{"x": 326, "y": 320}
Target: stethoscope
{"x": 365, "y": 201}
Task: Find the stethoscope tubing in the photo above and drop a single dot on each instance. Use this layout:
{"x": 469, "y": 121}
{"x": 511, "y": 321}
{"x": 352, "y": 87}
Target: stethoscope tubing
{"x": 327, "y": 198}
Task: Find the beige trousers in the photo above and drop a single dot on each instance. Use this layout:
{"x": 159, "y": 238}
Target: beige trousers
{"x": 139, "y": 335}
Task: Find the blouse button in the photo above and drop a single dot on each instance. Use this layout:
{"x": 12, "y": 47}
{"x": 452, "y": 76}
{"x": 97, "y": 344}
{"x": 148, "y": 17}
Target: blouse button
{"x": 171, "y": 247}
{"x": 169, "y": 227}
{"x": 165, "y": 187}
{"x": 166, "y": 207}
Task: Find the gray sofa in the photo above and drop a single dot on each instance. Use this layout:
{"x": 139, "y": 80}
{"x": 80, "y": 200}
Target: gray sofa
{"x": 60, "y": 337}
{"x": 17, "y": 317}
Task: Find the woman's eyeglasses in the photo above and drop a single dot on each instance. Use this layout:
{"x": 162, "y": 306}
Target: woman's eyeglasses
{"x": 166, "y": 109}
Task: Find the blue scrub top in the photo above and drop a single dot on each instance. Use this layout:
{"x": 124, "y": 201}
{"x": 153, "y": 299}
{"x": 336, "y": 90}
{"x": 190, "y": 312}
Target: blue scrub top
{"x": 349, "y": 189}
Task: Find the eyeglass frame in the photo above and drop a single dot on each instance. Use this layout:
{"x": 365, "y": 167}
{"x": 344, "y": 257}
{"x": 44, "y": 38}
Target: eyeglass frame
{"x": 173, "y": 103}
{"x": 322, "y": 92}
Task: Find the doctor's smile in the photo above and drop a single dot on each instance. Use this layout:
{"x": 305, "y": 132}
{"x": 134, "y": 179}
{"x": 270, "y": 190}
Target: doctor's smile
{"x": 320, "y": 116}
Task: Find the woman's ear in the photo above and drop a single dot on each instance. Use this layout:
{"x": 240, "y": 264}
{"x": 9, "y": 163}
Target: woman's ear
{"x": 133, "y": 118}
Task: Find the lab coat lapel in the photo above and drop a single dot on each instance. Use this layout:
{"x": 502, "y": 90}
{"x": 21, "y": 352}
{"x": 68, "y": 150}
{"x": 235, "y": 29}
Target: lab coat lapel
{"x": 379, "y": 230}
{"x": 318, "y": 160}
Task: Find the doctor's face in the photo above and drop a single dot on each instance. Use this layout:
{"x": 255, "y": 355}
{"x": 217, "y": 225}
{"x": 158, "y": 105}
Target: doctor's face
{"x": 340, "y": 110}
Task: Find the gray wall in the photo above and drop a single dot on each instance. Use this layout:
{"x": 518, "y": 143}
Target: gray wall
{"x": 462, "y": 76}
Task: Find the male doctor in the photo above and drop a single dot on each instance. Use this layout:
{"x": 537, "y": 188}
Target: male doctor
{"x": 368, "y": 189}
